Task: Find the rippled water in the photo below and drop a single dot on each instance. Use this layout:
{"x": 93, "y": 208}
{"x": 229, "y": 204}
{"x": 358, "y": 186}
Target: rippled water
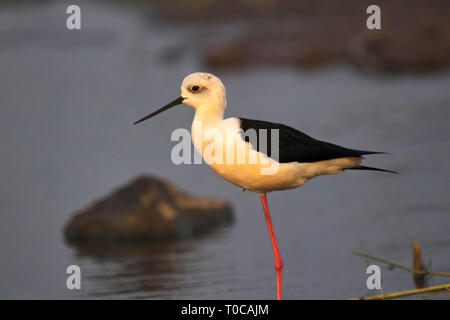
{"x": 68, "y": 101}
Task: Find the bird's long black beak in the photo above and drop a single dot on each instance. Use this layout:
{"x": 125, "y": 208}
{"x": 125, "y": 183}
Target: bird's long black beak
{"x": 174, "y": 103}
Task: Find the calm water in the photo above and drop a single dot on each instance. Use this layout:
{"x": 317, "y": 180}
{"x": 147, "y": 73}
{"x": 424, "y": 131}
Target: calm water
{"x": 68, "y": 100}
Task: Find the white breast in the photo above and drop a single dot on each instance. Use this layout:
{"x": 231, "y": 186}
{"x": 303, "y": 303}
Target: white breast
{"x": 225, "y": 151}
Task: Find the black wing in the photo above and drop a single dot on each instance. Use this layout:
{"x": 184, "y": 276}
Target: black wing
{"x": 297, "y": 146}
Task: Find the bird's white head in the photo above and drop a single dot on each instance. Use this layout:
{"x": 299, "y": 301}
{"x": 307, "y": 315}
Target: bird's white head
{"x": 202, "y": 91}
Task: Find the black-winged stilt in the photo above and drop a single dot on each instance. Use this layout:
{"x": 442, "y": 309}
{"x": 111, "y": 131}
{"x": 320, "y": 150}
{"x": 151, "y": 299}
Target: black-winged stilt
{"x": 288, "y": 161}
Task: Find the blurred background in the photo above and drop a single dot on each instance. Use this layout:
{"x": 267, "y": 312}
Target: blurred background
{"x": 68, "y": 100}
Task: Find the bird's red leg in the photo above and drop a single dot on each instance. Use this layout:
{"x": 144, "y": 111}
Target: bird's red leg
{"x": 276, "y": 251}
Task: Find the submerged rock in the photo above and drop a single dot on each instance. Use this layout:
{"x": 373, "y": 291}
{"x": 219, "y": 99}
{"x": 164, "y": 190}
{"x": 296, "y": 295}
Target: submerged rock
{"x": 148, "y": 208}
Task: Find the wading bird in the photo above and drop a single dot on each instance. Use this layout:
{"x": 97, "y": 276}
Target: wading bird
{"x": 295, "y": 156}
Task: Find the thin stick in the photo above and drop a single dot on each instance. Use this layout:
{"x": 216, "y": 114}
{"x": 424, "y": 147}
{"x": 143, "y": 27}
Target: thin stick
{"x": 405, "y": 293}
{"x": 419, "y": 278}
{"x": 393, "y": 264}
{"x": 381, "y": 289}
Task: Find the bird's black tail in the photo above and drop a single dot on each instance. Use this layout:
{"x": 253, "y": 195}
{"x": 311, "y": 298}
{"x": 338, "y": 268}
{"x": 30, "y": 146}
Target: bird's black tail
{"x": 370, "y": 168}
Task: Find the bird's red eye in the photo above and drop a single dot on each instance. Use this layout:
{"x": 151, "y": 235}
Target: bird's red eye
{"x": 195, "y": 88}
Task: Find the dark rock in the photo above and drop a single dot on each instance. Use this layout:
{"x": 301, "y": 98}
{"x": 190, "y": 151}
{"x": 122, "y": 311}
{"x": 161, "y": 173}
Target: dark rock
{"x": 420, "y": 48}
{"x": 147, "y": 209}
{"x": 312, "y": 34}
